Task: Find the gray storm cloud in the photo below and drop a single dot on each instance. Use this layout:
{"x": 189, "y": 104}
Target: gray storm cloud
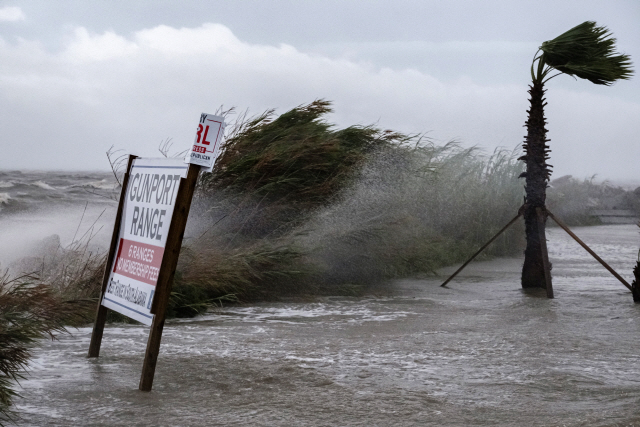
{"x": 63, "y": 108}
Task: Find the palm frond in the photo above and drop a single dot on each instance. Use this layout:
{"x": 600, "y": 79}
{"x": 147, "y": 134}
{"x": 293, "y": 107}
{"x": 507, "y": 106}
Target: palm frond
{"x": 587, "y": 51}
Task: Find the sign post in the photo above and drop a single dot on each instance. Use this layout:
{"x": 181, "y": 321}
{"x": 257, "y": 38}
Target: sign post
{"x": 165, "y": 280}
{"x": 101, "y": 314}
{"x": 150, "y": 222}
{"x": 145, "y": 214}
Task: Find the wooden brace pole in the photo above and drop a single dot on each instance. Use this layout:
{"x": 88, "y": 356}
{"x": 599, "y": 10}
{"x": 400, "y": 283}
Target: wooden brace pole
{"x": 635, "y": 285}
{"x": 482, "y": 248}
{"x": 545, "y": 254}
{"x": 588, "y": 249}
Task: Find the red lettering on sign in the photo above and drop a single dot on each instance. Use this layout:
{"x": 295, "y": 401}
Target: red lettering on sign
{"x": 204, "y": 140}
{"x": 199, "y": 132}
{"x": 139, "y": 261}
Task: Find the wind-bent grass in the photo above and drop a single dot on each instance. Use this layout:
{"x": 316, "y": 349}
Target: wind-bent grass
{"x": 75, "y": 272}
{"x": 261, "y": 271}
{"x": 415, "y": 210}
{"x": 295, "y": 206}
{"x": 286, "y": 166}
{"x": 405, "y": 210}
{"x": 29, "y": 310}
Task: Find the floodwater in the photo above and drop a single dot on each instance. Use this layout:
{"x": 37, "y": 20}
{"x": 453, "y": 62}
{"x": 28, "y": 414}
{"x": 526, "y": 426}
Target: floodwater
{"x": 478, "y": 353}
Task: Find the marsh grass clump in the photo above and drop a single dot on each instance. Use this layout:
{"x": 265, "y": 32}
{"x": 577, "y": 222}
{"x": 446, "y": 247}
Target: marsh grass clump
{"x": 72, "y": 273}
{"x": 75, "y": 272}
{"x": 408, "y": 207}
{"x": 289, "y": 164}
{"x": 416, "y": 209}
{"x": 297, "y": 157}
{"x": 273, "y": 173}
{"x": 29, "y": 311}
{"x": 266, "y": 270}
{"x": 295, "y": 207}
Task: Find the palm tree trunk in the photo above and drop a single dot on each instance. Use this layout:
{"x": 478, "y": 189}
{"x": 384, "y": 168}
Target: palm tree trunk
{"x": 537, "y": 176}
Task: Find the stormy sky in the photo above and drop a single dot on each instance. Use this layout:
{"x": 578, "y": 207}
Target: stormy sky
{"x": 77, "y": 77}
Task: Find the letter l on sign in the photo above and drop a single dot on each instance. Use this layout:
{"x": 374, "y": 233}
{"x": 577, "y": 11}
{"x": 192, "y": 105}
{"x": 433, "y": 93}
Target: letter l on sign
{"x": 206, "y": 146}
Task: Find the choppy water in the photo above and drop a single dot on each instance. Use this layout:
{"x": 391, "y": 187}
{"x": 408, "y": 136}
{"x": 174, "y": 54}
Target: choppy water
{"x": 481, "y": 352}
{"x": 38, "y": 205}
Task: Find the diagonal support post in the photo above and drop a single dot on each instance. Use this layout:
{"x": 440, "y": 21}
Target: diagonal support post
{"x": 482, "y": 248}
{"x": 546, "y": 265}
{"x": 635, "y": 285}
{"x": 588, "y": 249}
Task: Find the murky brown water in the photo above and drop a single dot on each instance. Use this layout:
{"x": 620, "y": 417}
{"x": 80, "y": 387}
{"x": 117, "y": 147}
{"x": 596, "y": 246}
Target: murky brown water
{"x": 479, "y": 353}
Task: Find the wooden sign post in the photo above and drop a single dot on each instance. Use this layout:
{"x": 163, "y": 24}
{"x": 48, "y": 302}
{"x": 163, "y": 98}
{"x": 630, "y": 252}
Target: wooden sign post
{"x": 147, "y": 236}
{"x": 168, "y": 269}
{"x": 145, "y": 248}
{"x": 101, "y": 314}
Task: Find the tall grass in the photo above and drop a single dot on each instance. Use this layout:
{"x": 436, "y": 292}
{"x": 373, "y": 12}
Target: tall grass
{"x": 296, "y": 206}
{"x": 414, "y": 210}
{"x": 29, "y": 310}
{"x": 283, "y": 167}
{"x": 406, "y": 206}
{"x": 265, "y": 270}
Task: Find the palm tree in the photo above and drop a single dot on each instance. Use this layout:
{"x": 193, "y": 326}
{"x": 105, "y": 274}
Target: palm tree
{"x": 585, "y": 51}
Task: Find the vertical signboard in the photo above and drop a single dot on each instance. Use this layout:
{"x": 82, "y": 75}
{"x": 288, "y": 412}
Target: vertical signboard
{"x": 148, "y": 208}
{"x": 147, "y": 236}
{"x": 206, "y": 146}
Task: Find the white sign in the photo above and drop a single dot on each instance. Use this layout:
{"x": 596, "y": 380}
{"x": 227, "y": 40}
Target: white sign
{"x": 206, "y": 146}
{"x": 148, "y": 208}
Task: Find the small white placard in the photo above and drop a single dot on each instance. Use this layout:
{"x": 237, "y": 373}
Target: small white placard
{"x": 206, "y": 146}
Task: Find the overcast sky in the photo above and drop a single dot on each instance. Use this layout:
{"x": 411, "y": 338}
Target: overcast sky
{"x": 77, "y": 77}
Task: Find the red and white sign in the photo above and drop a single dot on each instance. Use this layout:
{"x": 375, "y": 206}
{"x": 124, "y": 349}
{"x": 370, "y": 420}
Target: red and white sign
{"x": 206, "y": 146}
{"x": 148, "y": 208}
